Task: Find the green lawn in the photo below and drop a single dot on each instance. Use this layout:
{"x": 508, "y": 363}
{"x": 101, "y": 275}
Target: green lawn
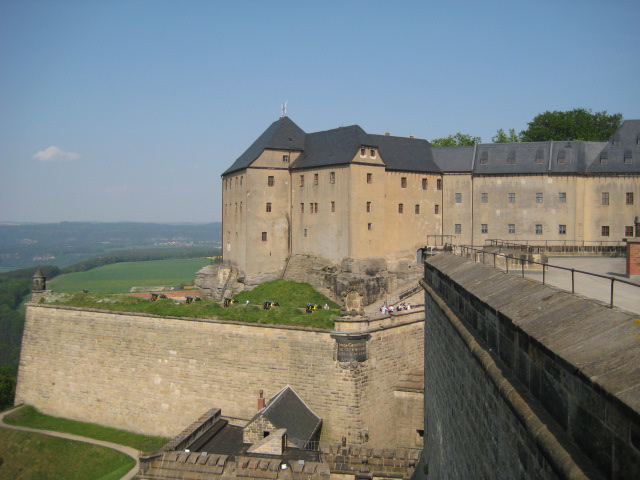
{"x": 120, "y": 277}
{"x": 293, "y": 298}
{"x": 32, "y": 456}
{"x": 28, "y": 416}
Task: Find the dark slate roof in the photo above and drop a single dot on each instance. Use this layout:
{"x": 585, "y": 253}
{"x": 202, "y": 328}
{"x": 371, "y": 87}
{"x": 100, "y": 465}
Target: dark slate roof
{"x": 453, "y": 159}
{"x": 282, "y": 134}
{"x": 406, "y": 154}
{"x": 287, "y": 410}
{"x": 511, "y": 158}
{"x": 627, "y": 140}
{"x": 332, "y": 147}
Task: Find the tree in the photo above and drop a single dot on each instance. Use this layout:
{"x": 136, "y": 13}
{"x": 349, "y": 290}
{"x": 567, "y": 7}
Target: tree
{"x": 455, "y": 140}
{"x": 577, "y": 124}
{"x": 7, "y": 386}
{"x": 502, "y": 137}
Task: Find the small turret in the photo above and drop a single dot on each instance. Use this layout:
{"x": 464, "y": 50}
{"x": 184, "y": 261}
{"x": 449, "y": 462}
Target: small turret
{"x": 38, "y": 282}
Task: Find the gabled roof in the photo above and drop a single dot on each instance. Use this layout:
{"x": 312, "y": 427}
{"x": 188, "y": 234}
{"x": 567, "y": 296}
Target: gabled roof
{"x": 287, "y": 410}
{"x": 282, "y": 134}
{"x": 332, "y": 147}
{"x": 453, "y": 159}
{"x": 406, "y": 154}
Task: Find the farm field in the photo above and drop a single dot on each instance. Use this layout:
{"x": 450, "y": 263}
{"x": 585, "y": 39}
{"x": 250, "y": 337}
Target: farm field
{"x": 120, "y": 277}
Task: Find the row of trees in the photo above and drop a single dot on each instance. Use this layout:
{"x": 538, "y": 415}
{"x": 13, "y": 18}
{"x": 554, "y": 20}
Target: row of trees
{"x": 577, "y": 124}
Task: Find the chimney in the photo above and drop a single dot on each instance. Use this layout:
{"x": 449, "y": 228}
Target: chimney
{"x": 411, "y": 136}
{"x": 260, "y": 401}
{"x": 387, "y": 134}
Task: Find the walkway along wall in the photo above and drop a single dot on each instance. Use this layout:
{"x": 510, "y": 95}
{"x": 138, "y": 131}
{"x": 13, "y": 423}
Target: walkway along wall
{"x": 155, "y": 375}
{"x": 526, "y": 381}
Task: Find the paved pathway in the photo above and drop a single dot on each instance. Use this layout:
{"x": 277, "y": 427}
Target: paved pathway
{"x": 132, "y": 452}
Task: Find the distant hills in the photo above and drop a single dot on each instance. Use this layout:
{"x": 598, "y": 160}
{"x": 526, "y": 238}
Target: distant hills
{"x": 65, "y": 243}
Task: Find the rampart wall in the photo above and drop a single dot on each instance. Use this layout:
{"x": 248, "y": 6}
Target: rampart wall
{"x": 155, "y": 375}
{"x": 526, "y": 381}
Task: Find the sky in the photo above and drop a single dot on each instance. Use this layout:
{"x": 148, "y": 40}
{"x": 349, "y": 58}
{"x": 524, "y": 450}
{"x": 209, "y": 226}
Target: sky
{"x": 131, "y": 110}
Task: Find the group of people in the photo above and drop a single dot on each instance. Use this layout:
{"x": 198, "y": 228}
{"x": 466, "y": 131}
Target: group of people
{"x": 390, "y": 308}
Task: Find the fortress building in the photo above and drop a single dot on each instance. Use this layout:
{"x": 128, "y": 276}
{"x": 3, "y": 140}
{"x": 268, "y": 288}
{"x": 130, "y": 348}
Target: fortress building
{"x": 346, "y": 195}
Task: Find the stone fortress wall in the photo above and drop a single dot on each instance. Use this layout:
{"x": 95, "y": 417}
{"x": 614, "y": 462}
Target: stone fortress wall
{"x": 526, "y": 381}
{"x": 155, "y": 375}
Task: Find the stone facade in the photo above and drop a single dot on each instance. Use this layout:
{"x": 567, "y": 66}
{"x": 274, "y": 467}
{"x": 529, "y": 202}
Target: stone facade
{"x": 154, "y": 375}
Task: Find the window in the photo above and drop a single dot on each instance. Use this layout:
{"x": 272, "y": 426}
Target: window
{"x": 540, "y": 156}
{"x": 511, "y": 157}
{"x": 305, "y": 232}
{"x": 368, "y": 207}
{"x": 458, "y": 228}
{"x": 604, "y": 158}
{"x": 285, "y": 158}
{"x": 562, "y": 156}
{"x": 417, "y": 209}
{"x": 403, "y": 182}
{"x": 484, "y": 197}
{"x": 439, "y": 184}
{"x": 264, "y": 236}
{"x": 373, "y": 153}
{"x": 538, "y": 229}
{"x": 271, "y": 181}
{"x": 332, "y": 177}
{"x": 436, "y": 209}
{"x": 424, "y": 183}
{"x": 302, "y": 180}
{"x": 512, "y": 228}
{"x": 315, "y": 207}
{"x": 628, "y": 156}
{"x": 562, "y": 229}
{"x": 604, "y": 231}
{"x": 400, "y": 208}
{"x": 369, "y": 177}
{"x": 484, "y": 228}
{"x": 236, "y": 181}
{"x": 458, "y": 198}
{"x": 484, "y": 158}
{"x": 629, "y": 198}
{"x": 315, "y": 178}
{"x": 241, "y": 176}
{"x": 562, "y": 197}
{"x": 539, "y": 197}
{"x": 225, "y": 183}
{"x": 605, "y": 198}
{"x": 333, "y": 206}
{"x": 302, "y": 208}
{"x": 310, "y": 207}
{"x": 268, "y": 207}
{"x": 369, "y": 226}
{"x": 616, "y": 140}
{"x": 363, "y": 152}
{"x": 240, "y": 207}
{"x": 628, "y": 231}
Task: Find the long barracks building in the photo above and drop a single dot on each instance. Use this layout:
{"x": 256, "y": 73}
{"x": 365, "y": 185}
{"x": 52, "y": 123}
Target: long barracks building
{"x": 344, "y": 193}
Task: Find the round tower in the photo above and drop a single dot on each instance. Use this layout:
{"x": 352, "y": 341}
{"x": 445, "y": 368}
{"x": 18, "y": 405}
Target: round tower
{"x": 38, "y": 282}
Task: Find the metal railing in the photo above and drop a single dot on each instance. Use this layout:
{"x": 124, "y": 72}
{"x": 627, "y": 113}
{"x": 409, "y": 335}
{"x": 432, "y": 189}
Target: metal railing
{"x": 468, "y": 251}
{"x": 559, "y": 246}
{"x": 435, "y": 240}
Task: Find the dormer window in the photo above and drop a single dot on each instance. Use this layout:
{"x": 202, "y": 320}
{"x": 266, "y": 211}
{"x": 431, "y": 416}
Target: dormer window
{"x": 373, "y": 153}
{"x": 484, "y": 158}
{"x": 540, "y": 155}
{"x": 628, "y": 156}
{"x": 562, "y": 156}
{"x": 638, "y": 139}
{"x": 363, "y": 152}
{"x": 616, "y": 140}
{"x": 604, "y": 158}
{"x": 511, "y": 158}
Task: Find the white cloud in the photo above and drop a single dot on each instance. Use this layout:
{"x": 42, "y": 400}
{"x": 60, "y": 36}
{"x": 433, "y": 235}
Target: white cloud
{"x": 117, "y": 190}
{"x": 55, "y": 154}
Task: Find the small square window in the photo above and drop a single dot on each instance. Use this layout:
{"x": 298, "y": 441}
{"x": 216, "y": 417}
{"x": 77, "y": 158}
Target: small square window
{"x": 628, "y": 157}
{"x": 268, "y": 207}
{"x": 400, "y": 208}
{"x": 315, "y": 208}
{"x": 484, "y": 158}
{"x": 436, "y": 209}
{"x": 333, "y": 207}
{"x": 373, "y": 153}
{"x": 369, "y": 177}
{"x": 629, "y": 198}
{"x": 368, "y": 207}
{"x": 484, "y": 197}
{"x": 484, "y": 228}
{"x": 302, "y": 180}
{"x": 369, "y": 226}
{"x": 605, "y": 198}
{"x": 315, "y": 178}
{"x": 458, "y": 198}
{"x": 562, "y": 197}
{"x": 538, "y": 229}
{"x": 604, "y": 231}
{"x": 439, "y": 184}
{"x": 302, "y": 208}
{"x": 512, "y": 198}
{"x": 271, "y": 181}
{"x": 628, "y": 231}
{"x": 285, "y": 158}
{"x": 332, "y": 177}
{"x": 424, "y": 183}
{"x": 417, "y": 209}
{"x": 458, "y": 228}
{"x": 403, "y": 182}
{"x": 539, "y": 197}
{"x": 562, "y": 156}
{"x": 363, "y": 152}
{"x": 540, "y": 156}
{"x": 512, "y": 228}
{"x": 562, "y": 229}
{"x": 305, "y": 232}
{"x": 604, "y": 158}
{"x": 264, "y": 236}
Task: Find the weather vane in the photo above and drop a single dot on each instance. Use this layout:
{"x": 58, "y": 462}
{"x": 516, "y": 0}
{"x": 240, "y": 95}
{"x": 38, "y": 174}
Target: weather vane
{"x": 284, "y": 108}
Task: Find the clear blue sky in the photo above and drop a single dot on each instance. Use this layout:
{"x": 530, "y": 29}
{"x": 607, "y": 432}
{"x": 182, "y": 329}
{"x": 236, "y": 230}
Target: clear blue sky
{"x": 131, "y": 110}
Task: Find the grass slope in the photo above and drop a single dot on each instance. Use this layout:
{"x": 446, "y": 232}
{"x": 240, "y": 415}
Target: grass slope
{"x": 120, "y": 277}
{"x": 293, "y": 298}
{"x": 32, "y": 456}
{"x": 28, "y": 416}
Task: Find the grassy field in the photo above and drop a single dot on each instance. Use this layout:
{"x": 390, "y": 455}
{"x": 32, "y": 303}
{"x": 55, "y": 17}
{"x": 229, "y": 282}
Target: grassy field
{"x": 120, "y": 277}
{"x": 292, "y": 297}
{"x": 32, "y": 456}
{"x": 28, "y": 416}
